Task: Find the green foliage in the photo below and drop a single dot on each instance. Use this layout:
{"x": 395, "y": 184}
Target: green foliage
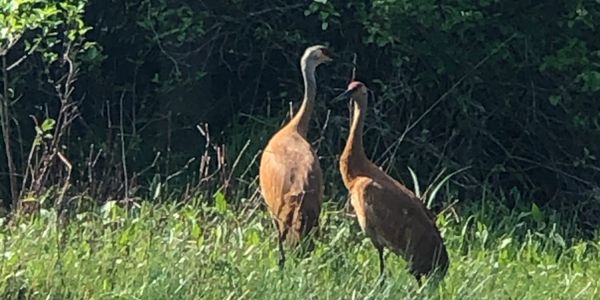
{"x": 39, "y": 42}
{"x": 188, "y": 251}
{"x": 591, "y": 81}
{"x": 44, "y": 131}
{"x": 220, "y": 202}
{"x": 517, "y": 85}
{"x": 40, "y": 25}
{"x": 18, "y": 17}
{"x": 326, "y": 12}
{"x": 536, "y": 213}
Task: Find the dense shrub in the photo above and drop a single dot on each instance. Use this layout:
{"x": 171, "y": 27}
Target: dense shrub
{"x": 508, "y": 88}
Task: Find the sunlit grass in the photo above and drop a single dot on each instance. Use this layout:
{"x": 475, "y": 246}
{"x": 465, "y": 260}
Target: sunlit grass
{"x": 196, "y": 251}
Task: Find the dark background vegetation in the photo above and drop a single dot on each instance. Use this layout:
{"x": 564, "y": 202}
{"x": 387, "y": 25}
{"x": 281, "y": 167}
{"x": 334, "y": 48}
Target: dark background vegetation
{"x": 508, "y": 88}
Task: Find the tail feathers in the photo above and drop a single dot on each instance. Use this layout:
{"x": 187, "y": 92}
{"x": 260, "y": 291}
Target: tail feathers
{"x": 301, "y": 220}
{"x": 441, "y": 264}
{"x": 435, "y": 268}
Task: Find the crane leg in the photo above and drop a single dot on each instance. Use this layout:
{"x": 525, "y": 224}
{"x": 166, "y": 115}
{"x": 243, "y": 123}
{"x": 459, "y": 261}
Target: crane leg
{"x": 281, "y": 250}
{"x": 381, "y": 261}
{"x": 381, "y": 264}
{"x": 281, "y": 233}
{"x": 419, "y": 280}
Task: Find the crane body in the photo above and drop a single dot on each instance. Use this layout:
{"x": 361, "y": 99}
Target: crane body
{"x": 388, "y": 212}
{"x": 290, "y": 175}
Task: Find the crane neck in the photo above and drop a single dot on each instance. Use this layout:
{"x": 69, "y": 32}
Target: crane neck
{"x": 353, "y": 158}
{"x": 302, "y": 118}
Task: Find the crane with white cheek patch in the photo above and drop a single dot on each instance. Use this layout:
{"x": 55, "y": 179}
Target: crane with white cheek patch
{"x": 291, "y": 180}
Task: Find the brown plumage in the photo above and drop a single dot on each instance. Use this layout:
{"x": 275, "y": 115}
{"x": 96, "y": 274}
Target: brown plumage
{"x": 388, "y": 212}
{"x": 290, "y": 176}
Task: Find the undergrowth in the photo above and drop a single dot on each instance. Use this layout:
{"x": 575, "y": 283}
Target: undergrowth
{"x": 201, "y": 251}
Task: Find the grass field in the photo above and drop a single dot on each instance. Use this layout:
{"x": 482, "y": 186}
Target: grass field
{"x": 217, "y": 252}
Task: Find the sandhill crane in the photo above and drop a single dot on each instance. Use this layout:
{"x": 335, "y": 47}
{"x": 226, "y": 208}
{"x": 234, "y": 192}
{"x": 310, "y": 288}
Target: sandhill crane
{"x": 290, "y": 176}
{"x": 387, "y": 211}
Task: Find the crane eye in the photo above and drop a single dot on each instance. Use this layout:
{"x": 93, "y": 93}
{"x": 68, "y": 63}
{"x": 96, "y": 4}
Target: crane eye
{"x": 326, "y": 52}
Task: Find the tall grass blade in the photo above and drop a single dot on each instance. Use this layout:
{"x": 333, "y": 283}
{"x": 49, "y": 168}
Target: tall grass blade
{"x": 413, "y": 175}
{"x": 439, "y": 185}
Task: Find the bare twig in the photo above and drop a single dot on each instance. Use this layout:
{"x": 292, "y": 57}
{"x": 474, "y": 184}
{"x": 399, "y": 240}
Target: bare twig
{"x": 443, "y": 97}
{"x": 179, "y": 172}
{"x": 276, "y": 8}
{"x": 123, "y": 154}
{"x": 65, "y": 187}
{"x": 26, "y": 55}
{"x": 237, "y": 160}
{"x": 5, "y": 117}
{"x": 354, "y": 58}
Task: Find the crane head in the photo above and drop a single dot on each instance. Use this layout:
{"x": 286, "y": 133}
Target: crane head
{"x": 356, "y": 85}
{"x": 356, "y": 90}
{"x": 317, "y": 55}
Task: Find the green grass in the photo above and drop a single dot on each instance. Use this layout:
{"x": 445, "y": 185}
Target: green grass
{"x": 201, "y": 252}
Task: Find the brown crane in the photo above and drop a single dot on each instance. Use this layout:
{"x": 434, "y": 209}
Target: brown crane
{"x": 290, "y": 176}
{"x": 388, "y": 212}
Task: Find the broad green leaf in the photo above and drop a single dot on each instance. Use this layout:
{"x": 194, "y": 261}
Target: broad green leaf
{"x": 220, "y": 202}
{"x": 504, "y": 243}
{"x": 196, "y": 231}
{"x": 591, "y": 81}
{"x": 554, "y": 99}
{"x": 536, "y": 213}
{"x": 48, "y": 124}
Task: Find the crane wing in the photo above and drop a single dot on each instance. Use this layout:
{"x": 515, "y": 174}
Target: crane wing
{"x": 398, "y": 220}
{"x": 273, "y": 178}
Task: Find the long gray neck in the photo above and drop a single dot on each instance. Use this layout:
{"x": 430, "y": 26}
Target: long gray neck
{"x": 302, "y": 118}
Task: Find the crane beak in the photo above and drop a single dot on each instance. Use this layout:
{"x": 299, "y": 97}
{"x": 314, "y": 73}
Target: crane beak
{"x": 343, "y": 96}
